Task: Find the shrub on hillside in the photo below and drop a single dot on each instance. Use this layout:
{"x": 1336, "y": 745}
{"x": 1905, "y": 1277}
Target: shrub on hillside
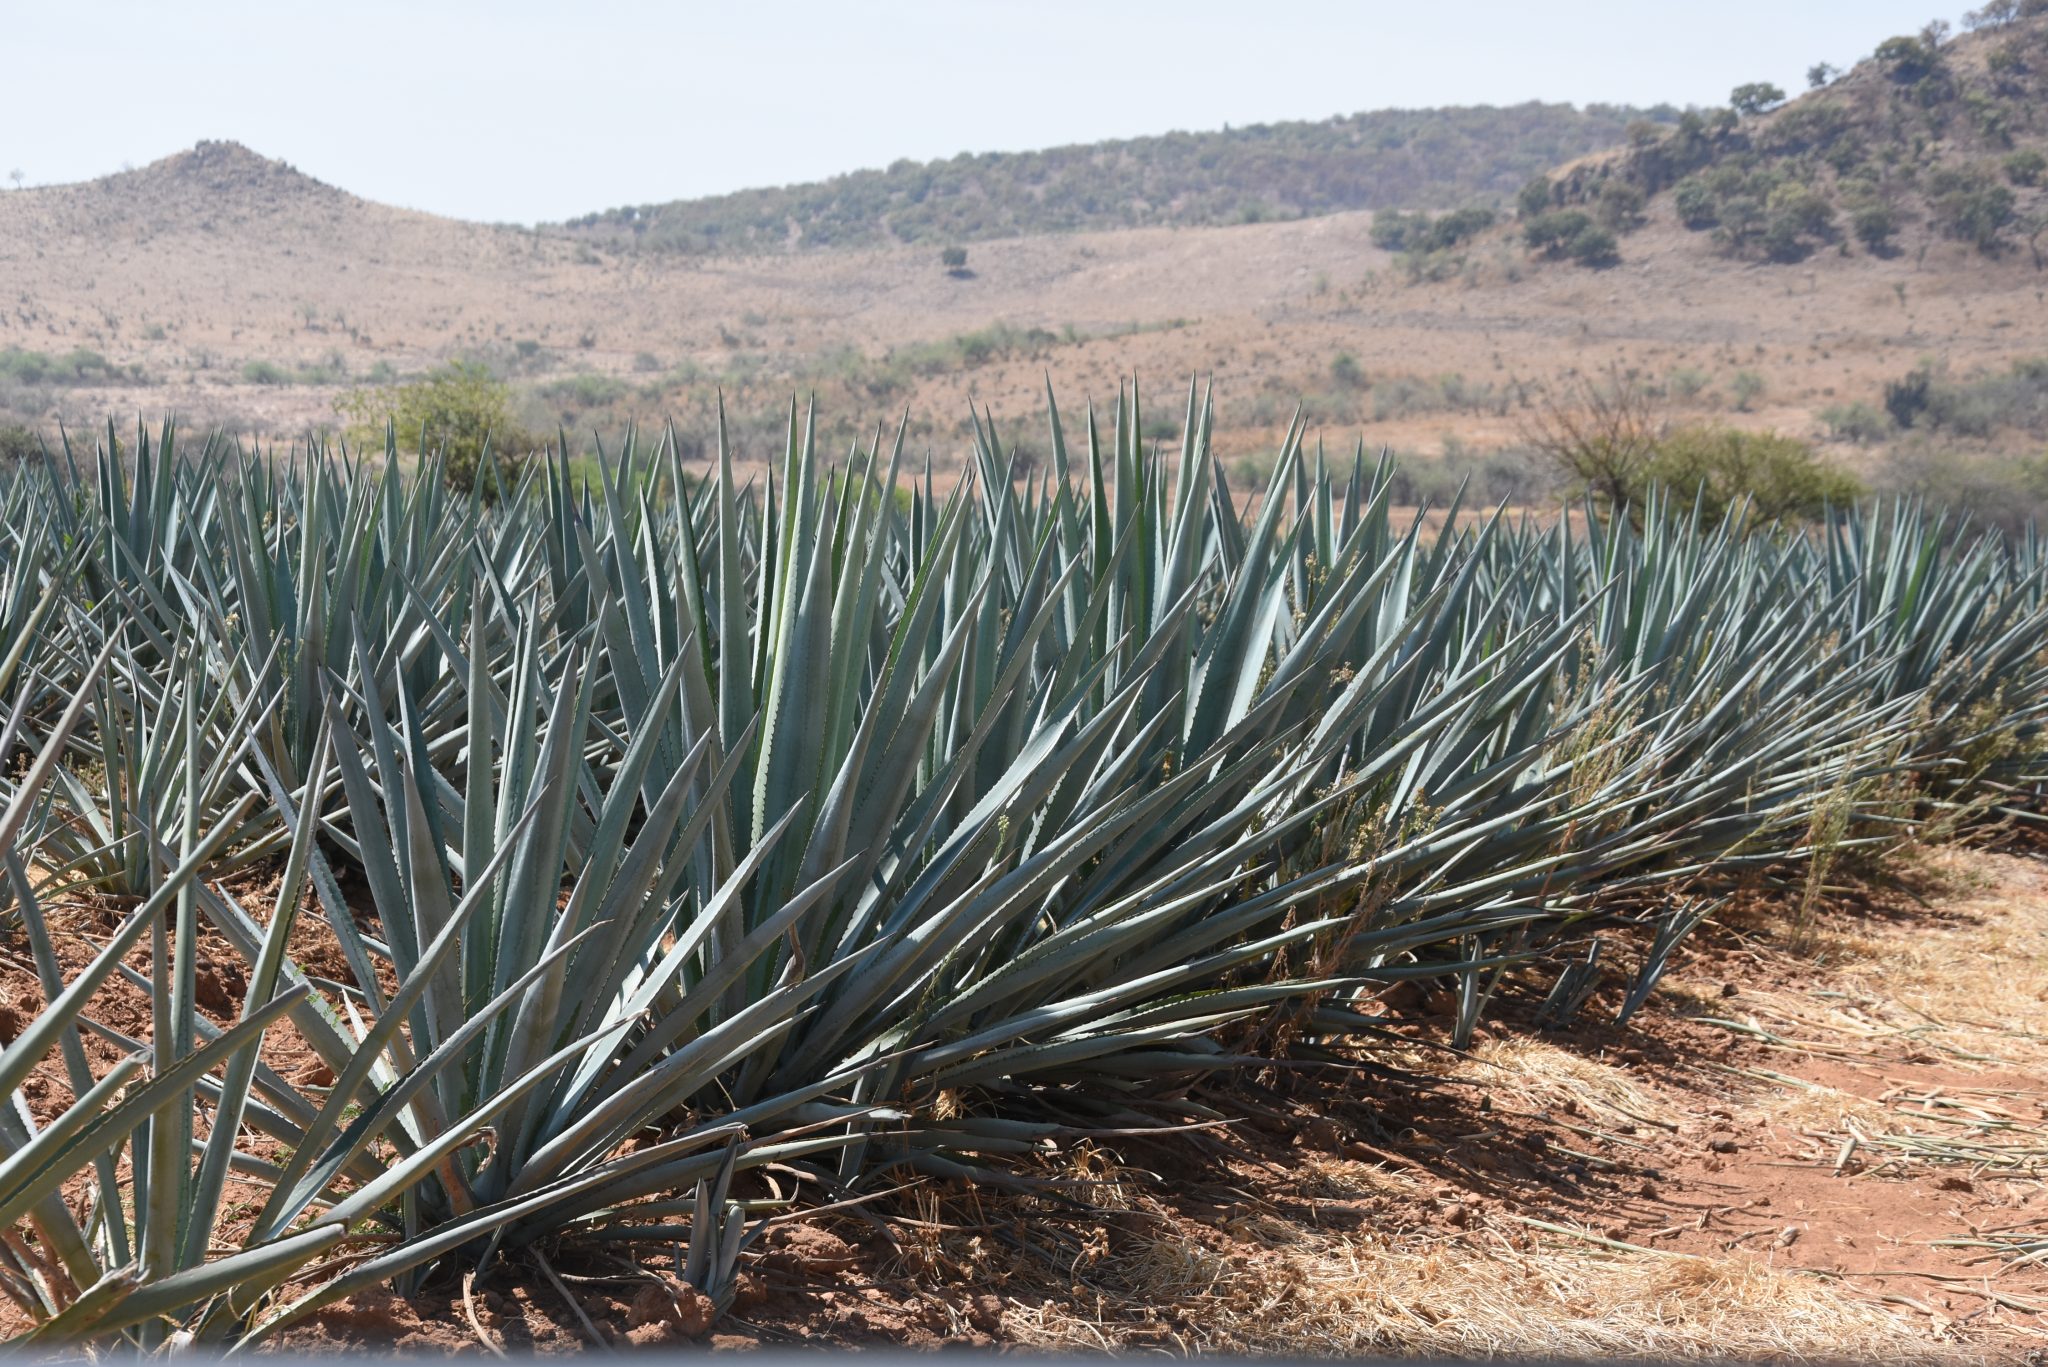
{"x": 1620, "y": 206}
{"x": 1999, "y": 13}
{"x": 1594, "y": 247}
{"x": 1875, "y": 225}
{"x": 1571, "y": 234}
{"x": 1905, "y": 398}
{"x": 1395, "y": 231}
{"x": 1971, "y": 206}
{"x": 1698, "y": 207}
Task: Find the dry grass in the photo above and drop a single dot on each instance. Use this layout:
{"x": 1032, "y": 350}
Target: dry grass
{"x": 1983, "y": 986}
{"x": 1263, "y": 1280}
{"x": 1544, "y": 1074}
{"x": 1265, "y": 1267}
{"x": 1288, "y": 1290}
{"x": 1974, "y": 990}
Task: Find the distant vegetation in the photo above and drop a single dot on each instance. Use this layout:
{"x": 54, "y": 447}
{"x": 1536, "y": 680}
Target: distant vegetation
{"x": 1405, "y": 159}
{"x": 78, "y": 366}
{"x": 1946, "y": 136}
{"x": 31, "y": 380}
{"x": 1609, "y": 438}
{"x": 1929, "y": 400}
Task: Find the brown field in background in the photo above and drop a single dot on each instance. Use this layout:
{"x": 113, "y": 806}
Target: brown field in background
{"x": 193, "y": 268}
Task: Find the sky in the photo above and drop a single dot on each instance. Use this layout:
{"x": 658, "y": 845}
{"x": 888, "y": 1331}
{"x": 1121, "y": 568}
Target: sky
{"x": 535, "y": 110}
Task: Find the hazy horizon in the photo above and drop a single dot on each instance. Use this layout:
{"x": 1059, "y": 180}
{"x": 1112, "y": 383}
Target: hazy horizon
{"x": 521, "y": 112}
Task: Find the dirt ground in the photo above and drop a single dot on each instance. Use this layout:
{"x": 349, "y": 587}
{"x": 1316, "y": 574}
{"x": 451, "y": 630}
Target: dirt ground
{"x": 1825, "y": 1137}
{"x": 194, "y": 267}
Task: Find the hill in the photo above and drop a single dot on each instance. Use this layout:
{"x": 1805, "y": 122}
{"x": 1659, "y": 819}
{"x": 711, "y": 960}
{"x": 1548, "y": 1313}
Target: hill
{"x": 1929, "y": 139}
{"x": 238, "y": 292}
{"x": 1407, "y": 159}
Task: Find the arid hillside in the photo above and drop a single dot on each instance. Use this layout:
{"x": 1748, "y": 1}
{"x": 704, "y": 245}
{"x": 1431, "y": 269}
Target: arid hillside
{"x": 236, "y": 292}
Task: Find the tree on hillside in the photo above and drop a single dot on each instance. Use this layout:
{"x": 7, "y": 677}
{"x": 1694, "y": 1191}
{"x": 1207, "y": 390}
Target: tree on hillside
{"x": 17, "y": 175}
{"x": 1999, "y": 13}
{"x": 1757, "y": 97}
{"x": 1906, "y": 60}
{"x": 1820, "y": 73}
{"x": 954, "y": 259}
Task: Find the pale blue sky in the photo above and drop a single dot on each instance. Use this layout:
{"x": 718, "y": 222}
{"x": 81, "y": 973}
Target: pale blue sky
{"x": 523, "y": 110}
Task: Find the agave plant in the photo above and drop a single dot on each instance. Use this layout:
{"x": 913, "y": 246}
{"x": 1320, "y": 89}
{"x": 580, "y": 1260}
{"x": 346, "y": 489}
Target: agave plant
{"x": 866, "y": 823}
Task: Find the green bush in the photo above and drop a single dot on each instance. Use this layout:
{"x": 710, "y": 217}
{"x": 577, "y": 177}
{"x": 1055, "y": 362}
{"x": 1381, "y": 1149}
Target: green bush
{"x": 1784, "y": 218}
{"x": 1550, "y": 233}
{"x": 1748, "y": 387}
{"x": 24, "y": 367}
{"x": 1571, "y": 234}
{"x": 1875, "y": 225}
{"x": 2026, "y": 167}
{"x": 1782, "y": 242}
{"x": 1992, "y": 490}
{"x": 1595, "y": 247}
{"x": 1620, "y": 206}
{"x": 1687, "y": 383}
{"x": 1782, "y": 478}
{"x": 1856, "y": 422}
{"x": 1970, "y": 206}
{"x": 266, "y": 372}
{"x": 80, "y": 365}
{"x": 1395, "y": 231}
{"x": 457, "y": 412}
{"x": 1697, "y": 206}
